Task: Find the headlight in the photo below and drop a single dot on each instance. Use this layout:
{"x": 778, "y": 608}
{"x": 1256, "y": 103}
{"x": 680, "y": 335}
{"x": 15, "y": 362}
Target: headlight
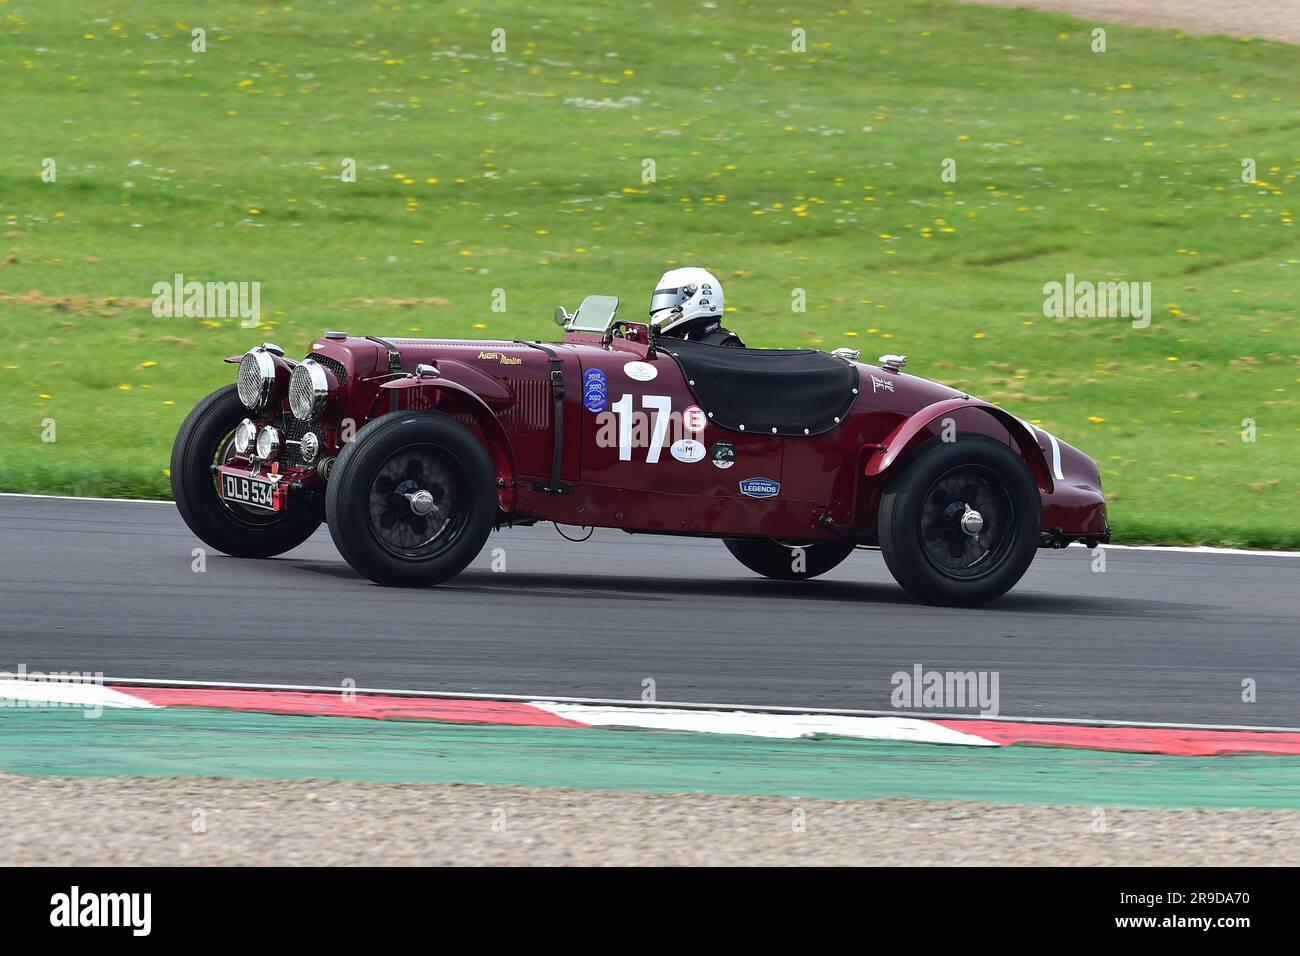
{"x": 256, "y": 379}
{"x": 308, "y": 390}
{"x": 268, "y": 443}
{"x": 245, "y": 435}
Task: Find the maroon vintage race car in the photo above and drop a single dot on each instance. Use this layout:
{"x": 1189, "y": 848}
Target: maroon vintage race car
{"x": 415, "y": 450}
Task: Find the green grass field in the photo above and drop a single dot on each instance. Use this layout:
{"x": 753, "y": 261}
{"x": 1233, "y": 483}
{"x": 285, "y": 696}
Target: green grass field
{"x": 522, "y": 170}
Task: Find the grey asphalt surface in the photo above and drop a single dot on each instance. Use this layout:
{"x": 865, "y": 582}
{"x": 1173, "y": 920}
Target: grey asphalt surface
{"x": 109, "y": 587}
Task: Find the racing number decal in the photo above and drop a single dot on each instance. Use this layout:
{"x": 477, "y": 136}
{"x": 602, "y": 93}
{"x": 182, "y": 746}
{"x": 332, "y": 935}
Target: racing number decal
{"x": 662, "y": 405}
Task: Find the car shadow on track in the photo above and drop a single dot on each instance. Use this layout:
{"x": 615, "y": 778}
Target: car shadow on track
{"x": 604, "y": 587}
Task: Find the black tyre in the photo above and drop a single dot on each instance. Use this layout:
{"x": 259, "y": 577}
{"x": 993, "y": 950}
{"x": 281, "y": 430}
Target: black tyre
{"x": 411, "y": 499}
{"x": 960, "y": 524}
{"x": 777, "y": 559}
{"x": 205, "y": 439}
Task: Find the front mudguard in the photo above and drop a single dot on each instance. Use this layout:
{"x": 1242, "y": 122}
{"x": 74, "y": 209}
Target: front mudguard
{"x": 459, "y": 398}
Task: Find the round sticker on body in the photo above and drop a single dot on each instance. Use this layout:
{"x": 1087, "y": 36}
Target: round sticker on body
{"x": 641, "y": 371}
{"x": 694, "y": 419}
{"x": 688, "y": 450}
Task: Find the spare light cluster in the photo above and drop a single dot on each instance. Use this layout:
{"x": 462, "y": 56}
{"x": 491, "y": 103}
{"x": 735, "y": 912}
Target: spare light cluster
{"x": 266, "y": 443}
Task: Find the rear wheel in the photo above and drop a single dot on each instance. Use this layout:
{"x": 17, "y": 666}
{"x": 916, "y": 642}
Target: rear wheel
{"x": 411, "y": 499}
{"x": 788, "y": 561}
{"x": 206, "y": 439}
{"x": 960, "y": 524}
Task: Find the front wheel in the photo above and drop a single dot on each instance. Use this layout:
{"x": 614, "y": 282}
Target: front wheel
{"x": 205, "y": 439}
{"x": 788, "y": 562}
{"x": 961, "y": 523}
{"x": 411, "y": 499}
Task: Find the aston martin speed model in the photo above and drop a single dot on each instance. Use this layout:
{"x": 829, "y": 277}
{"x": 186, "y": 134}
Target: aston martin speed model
{"x": 414, "y": 451}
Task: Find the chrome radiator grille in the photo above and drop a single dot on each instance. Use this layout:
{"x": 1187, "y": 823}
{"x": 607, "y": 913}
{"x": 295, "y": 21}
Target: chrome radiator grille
{"x": 335, "y": 366}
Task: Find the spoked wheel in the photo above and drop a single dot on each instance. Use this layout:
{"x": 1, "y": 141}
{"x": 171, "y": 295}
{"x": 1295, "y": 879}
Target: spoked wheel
{"x": 788, "y": 560}
{"x": 967, "y": 521}
{"x": 418, "y": 502}
{"x": 206, "y": 439}
{"x": 960, "y": 524}
{"x": 411, "y": 499}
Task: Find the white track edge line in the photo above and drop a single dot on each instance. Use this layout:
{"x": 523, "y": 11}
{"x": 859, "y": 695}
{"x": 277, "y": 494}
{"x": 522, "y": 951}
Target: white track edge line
{"x": 1193, "y": 549}
{"x": 131, "y": 501}
{"x": 692, "y": 705}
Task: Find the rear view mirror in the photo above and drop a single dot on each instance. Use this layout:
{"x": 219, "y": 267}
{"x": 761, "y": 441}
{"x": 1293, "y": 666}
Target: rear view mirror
{"x": 562, "y": 317}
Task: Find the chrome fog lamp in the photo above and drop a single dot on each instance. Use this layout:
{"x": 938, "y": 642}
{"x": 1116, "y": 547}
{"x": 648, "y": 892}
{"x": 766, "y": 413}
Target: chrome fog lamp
{"x": 309, "y": 447}
{"x": 308, "y": 389}
{"x": 256, "y": 378}
{"x": 268, "y": 444}
{"x": 245, "y": 436}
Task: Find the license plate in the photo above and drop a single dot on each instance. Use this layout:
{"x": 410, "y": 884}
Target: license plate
{"x": 247, "y": 490}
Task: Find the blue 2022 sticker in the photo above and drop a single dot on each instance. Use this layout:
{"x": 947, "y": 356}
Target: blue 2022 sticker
{"x": 595, "y": 391}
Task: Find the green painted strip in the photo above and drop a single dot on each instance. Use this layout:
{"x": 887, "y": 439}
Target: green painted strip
{"x": 198, "y": 742}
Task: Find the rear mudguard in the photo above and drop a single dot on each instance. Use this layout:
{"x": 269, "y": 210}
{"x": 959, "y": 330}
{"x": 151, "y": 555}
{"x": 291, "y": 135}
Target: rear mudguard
{"x": 1025, "y": 435}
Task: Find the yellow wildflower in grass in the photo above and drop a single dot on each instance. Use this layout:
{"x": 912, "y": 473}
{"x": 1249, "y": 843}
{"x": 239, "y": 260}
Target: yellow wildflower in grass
{"x": 1095, "y": 420}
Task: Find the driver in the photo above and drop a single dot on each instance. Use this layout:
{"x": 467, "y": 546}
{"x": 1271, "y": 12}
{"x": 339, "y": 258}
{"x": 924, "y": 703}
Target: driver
{"x": 687, "y": 304}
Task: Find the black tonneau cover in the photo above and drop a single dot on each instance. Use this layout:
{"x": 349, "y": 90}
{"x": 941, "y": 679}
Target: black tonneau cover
{"x": 772, "y": 391}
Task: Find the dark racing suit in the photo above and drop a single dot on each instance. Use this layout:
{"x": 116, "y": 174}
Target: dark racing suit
{"x": 710, "y": 332}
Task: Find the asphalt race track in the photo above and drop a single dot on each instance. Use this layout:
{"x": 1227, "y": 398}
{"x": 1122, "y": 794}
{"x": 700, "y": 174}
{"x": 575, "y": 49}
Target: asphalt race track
{"x": 1169, "y": 637}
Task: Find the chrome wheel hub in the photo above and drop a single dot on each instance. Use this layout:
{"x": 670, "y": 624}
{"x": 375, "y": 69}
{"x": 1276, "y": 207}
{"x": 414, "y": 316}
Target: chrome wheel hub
{"x": 972, "y": 522}
{"x": 421, "y": 502}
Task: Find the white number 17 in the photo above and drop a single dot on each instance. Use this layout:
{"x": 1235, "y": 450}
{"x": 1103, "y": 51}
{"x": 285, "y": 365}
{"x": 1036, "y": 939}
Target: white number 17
{"x": 663, "y": 405}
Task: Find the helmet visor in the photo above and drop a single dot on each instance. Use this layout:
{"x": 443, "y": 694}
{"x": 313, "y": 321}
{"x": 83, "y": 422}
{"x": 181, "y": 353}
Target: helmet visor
{"x": 665, "y": 299}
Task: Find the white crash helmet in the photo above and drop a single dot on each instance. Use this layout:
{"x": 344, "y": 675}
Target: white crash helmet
{"x": 683, "y": 296}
